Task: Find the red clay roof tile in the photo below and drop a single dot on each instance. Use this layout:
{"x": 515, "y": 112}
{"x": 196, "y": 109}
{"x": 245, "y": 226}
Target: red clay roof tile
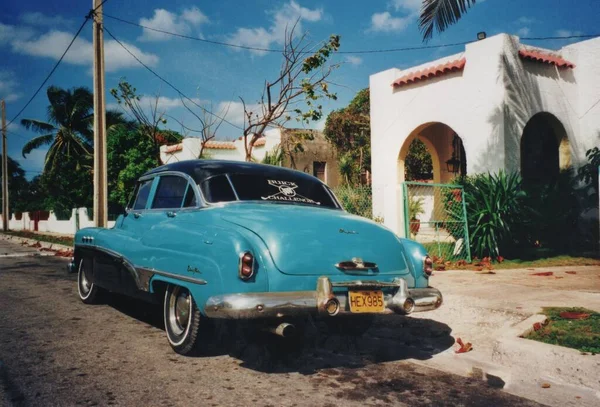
{"x": 547, "y": 58}
{"x": 431, "y": 72}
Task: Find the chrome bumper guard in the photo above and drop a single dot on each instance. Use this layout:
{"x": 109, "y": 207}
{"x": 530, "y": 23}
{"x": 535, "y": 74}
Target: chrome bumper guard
{"x": 401, "y": 300}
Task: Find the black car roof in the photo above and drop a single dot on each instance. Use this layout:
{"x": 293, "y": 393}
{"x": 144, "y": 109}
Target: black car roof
{"x": 200, "y": 170}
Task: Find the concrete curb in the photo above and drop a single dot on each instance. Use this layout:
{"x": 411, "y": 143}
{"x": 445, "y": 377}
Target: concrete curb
{"x": 521, "y": 366}
{"x": 45, "y": 245}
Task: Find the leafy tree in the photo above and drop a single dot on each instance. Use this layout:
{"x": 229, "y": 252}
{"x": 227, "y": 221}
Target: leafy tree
{"x": 440, "y": 14}
{"x": 129, "y": 155}
{"x": 147, "y": 118}
{"x": 300, "y": 78}
{"x": 68, "y": 130}
{"x": 418, "y": 164}
{"x": 349, "y": 130}
{"x": 17, "y": 186}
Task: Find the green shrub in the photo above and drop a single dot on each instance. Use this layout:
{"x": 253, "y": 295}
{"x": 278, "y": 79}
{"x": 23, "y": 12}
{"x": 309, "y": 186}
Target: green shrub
{"x": 495, "y": 208}
{"x": 356, "y": 200}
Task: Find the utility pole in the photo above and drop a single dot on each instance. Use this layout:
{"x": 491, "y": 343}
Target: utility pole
{"x": 100, "y": 175}
{"x": 5, "y": 213}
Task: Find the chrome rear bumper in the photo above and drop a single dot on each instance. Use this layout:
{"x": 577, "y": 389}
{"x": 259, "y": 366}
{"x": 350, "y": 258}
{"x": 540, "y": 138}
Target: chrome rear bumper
{"x": 400, "y": 300}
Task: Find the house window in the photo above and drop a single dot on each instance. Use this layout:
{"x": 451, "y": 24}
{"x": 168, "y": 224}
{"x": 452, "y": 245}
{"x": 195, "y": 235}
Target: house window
{"x": 319, "y": 169}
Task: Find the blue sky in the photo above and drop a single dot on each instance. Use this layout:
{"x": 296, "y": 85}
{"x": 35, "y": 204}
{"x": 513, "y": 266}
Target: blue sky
{"x": 34, "y": 33}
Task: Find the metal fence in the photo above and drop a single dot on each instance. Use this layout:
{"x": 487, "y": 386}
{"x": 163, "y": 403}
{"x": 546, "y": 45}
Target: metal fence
{"x": 435, "y": 216}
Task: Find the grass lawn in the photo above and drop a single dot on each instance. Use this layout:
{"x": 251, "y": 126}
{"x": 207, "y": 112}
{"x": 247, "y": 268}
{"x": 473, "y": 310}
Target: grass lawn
{"x": 581, "y": 334}
{"x": 64, "y": 240}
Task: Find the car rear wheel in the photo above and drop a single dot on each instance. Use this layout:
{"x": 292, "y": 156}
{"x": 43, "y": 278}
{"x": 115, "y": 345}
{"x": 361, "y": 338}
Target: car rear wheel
{"x": 89, "y": 292}
{"x": 182, "y": 320}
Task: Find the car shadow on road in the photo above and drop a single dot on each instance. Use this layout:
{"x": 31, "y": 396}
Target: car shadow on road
{"x": 390, "y": 338}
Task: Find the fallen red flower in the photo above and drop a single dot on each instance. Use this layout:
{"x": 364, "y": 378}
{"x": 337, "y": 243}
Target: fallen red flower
{"x": 464, "y": 347}
{"x": 574, "y": 315}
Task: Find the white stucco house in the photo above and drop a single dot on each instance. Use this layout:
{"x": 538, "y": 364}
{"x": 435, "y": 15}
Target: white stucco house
{"x": 499, "y": 104}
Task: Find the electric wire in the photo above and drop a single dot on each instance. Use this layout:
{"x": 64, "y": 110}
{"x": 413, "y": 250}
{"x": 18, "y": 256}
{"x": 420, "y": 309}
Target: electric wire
{"x": 169, "y": 83}
{"x": 15, "y": 117}
{"x": 368, "y": 51}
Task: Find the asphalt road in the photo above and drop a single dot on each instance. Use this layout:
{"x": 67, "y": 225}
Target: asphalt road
{"x": 56, "y": 351}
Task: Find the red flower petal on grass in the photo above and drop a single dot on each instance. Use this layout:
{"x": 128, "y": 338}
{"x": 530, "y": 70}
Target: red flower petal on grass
{"x": 574, "y": 315}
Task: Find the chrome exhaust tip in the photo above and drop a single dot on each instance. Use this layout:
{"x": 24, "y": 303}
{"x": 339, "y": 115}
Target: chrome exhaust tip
{"x": 285, "y": 330}
{"x": 408, "y": 306}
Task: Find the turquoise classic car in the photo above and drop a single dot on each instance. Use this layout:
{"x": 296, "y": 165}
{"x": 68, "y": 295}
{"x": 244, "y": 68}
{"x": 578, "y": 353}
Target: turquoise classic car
{"x": 235, "y": 240}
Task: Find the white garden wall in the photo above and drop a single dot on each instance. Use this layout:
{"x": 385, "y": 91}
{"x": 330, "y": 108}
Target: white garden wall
{"x": 53, "y": 225}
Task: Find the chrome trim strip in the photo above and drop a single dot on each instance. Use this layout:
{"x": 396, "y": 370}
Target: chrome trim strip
{"x": 120, "y": 259}
{"x": 141, "y": 275}
{"x": 237, "y": 198}
{"x": 174, "y": 276}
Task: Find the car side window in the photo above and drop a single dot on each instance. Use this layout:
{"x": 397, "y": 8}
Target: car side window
{"x": 170, "y": 192}
{"x": 142, "y": 195}
{"x": 190, "y": 198}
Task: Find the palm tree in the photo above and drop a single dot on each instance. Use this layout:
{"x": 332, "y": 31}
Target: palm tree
{"x": 68, "y": 130}
{"x": 440, "y": 14}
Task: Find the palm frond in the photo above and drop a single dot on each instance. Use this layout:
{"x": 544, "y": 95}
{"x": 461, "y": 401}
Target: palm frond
{"x": 37, "y": 142}
{"x": 440, "y": 14}
{"x": 37, "y": 125}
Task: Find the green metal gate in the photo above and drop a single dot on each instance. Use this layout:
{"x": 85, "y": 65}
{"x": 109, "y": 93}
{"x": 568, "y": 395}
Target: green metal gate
{"x": 435, "y": 216}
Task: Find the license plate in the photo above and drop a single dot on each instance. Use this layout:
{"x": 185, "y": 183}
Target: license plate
{"x": 366, "y": 301}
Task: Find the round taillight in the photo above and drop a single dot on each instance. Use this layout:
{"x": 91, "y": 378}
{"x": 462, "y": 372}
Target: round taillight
{"x": 428, "y": 266}
{"x": 246, "y": 269}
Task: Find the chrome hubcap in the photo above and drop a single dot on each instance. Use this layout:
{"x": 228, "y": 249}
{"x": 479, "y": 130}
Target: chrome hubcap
{"x": 84, "y": 282}
{"x": 179, "y": 310}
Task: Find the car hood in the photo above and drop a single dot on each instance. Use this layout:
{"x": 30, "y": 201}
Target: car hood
{"x": 304, "y": 240}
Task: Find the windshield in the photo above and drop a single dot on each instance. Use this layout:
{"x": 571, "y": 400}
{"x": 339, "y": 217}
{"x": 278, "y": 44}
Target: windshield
{"x": 254, "y": 187}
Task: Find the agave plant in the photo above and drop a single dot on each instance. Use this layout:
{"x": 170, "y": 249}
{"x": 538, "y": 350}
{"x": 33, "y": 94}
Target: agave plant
{"x": 495, "y": 206}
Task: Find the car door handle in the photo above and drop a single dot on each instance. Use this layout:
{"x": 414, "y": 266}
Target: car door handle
{"x": 171, "y": 214}
{"x": 137, "y": 215}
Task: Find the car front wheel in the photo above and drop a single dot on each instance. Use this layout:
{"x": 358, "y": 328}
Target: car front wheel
{"x": 89, "y": 292}
{"x": 182, "y": 319}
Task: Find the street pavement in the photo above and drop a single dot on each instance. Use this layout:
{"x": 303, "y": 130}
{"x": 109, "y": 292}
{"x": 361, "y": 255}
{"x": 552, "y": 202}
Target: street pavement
{"x": 56, "y": 351}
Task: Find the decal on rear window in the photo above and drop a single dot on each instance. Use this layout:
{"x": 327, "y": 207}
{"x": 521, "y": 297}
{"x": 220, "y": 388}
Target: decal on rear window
{"x": 286, "y": 191}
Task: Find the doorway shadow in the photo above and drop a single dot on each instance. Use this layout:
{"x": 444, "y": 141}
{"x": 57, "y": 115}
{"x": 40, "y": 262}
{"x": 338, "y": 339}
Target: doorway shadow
{"x": 315, "y": 348}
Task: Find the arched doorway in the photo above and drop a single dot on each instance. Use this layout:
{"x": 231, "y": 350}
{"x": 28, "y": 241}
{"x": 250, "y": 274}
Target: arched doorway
{"x": 433, "y": 212}
{"x": 444, "y": 145}
{"x": 545, "y": 149}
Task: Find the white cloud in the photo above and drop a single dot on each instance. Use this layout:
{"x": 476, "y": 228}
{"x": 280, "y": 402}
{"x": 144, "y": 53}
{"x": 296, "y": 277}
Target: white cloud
{"x": 235, "y": 111}
{"x": 414, "y": 6}
{"x": 384, "y": 22}
{"x": 8, "y": 86}
{"x": 354, "y": 60}
{"x": 40, "y": 19}
{"x": 165, "y": 20}
{"x": 53, "y": 44}
{"x": 526, "y": 20}
{"x": 194, "y": 16}
{"x": 283, "y": 19}
{"x": 567, "y": 33}
{"x": 9, "y": 33}
{"x": 165, "y": 103}
{"x": 523, "y": 32}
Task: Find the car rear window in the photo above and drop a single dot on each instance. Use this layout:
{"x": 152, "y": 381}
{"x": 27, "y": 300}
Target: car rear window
{"x": 253, "y": 187}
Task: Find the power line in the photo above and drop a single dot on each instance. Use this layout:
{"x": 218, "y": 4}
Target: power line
{"x": 53, "y": 69}
{"x": 169, "y": 83}
{"x": 369, "y": 51}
